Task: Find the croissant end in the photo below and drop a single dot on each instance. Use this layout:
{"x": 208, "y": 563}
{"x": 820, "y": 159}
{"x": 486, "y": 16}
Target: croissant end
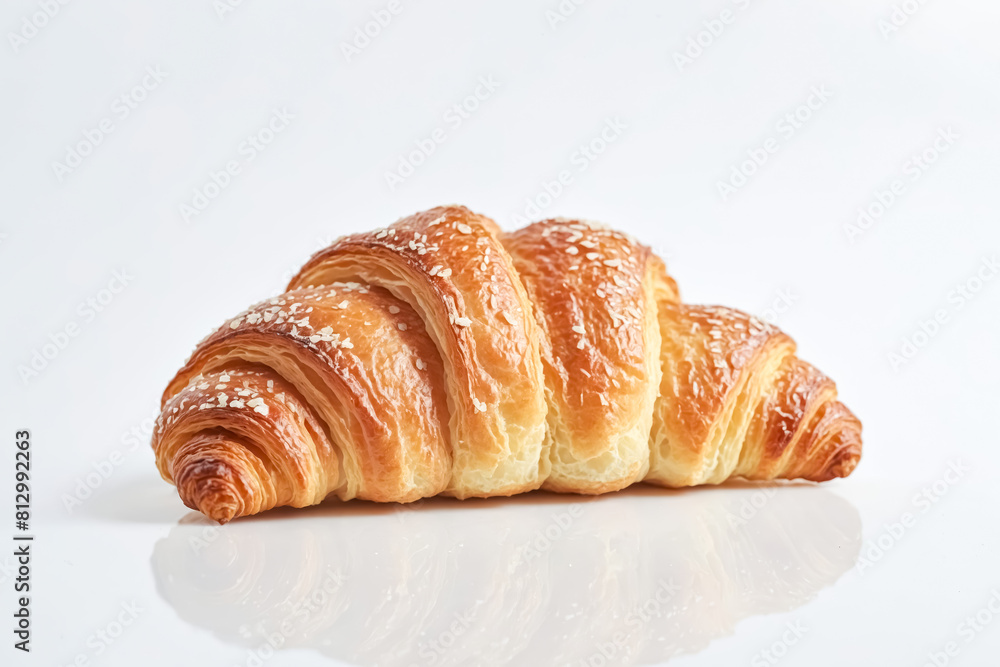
{"x": 208, "y": 486}
{"x": 846, "y": 458}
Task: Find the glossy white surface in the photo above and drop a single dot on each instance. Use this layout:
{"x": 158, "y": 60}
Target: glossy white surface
{"x": 889, "y": 566}
{"x": 557, "y": 581}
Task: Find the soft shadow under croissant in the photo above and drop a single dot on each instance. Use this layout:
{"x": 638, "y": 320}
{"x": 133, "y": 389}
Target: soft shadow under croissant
{"x": 441, "y": 355}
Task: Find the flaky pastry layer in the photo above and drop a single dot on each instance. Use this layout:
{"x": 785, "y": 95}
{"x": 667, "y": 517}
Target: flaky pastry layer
{"x": 441, "y": 355}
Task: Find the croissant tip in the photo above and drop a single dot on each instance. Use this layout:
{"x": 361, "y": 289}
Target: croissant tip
{"x": 845, "y": 464}
{"x": 221, "y": 512}
{"x": 223, "y": 518}
{"x": 208, "y": 487}
{"x": 842, "y": 464}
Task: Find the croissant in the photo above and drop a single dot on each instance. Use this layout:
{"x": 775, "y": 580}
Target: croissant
{"x": 440, "y": 355}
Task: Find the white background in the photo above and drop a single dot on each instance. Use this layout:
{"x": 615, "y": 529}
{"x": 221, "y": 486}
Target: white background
{"x": 854, "y": 299}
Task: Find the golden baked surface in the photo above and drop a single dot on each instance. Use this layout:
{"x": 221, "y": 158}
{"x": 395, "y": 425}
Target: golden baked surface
{"x": 441, "y": 355}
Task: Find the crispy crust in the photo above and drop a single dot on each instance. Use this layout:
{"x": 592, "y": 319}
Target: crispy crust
{"x": 450, "y": 266}
{"x": 593, "y": 290}
{"x": 382, "y": 434}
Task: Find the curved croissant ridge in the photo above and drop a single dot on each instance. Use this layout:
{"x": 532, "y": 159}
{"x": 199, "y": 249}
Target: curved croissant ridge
{"x": 441, "y": 355}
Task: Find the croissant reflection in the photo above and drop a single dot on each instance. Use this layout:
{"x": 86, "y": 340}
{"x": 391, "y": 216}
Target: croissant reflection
{"x": 633, "y": 579}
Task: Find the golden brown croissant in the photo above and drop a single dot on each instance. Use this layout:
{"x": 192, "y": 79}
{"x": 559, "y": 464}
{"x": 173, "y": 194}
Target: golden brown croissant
{"x": 440, "y": 355}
